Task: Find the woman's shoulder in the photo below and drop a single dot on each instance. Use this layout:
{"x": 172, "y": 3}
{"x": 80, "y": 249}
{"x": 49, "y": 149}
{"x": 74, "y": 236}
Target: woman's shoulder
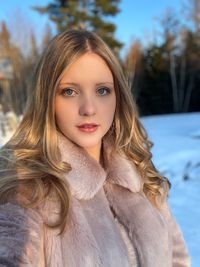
{"x": 22, "y": 220}
{"x": 20, "y": 233}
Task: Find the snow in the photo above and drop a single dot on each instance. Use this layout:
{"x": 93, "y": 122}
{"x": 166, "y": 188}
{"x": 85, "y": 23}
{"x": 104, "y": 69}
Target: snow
{"x": 176, "y": 154}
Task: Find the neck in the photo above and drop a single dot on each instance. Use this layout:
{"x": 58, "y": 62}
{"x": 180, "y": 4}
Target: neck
{"x": 95, "y": 152}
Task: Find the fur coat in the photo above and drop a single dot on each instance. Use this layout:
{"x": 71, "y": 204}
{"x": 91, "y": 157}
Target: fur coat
{"x": 110, "y": 223}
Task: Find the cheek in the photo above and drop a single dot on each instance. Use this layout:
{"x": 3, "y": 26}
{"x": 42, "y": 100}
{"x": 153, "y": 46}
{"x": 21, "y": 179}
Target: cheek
{"x": 61, "y": 115}
{"x": 109, "y": 110}
{"x": 63, "y": 110}
{"x": 59, "y": 111}
{"x": 112, "y": 106}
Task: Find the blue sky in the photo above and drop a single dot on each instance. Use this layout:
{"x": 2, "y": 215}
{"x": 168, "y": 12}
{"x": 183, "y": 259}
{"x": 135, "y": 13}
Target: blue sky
{"x": 137, "y": 19}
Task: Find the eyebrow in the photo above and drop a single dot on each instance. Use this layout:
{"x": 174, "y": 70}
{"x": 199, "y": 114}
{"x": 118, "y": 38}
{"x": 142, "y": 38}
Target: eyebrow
{"x": 77, "y": 84}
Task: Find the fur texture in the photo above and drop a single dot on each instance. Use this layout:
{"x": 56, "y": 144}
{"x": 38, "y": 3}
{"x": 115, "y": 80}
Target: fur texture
{"x": 110, "y": 224}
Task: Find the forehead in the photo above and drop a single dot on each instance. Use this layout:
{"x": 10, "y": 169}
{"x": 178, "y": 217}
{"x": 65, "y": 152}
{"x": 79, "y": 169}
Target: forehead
{"x": 88, "y": 67}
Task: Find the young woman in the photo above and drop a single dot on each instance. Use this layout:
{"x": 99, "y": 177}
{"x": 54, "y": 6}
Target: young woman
{"x": 77, "y": 184}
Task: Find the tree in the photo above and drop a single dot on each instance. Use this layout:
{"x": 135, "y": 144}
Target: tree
{"x": 12, "y": 53}
{"x": 191, "y": 9}
{"x": 16, "y": 89}
{"x": 34, "y": 49}
{"x": 20, "y": 27}
{"x": 85, "y": 14}
{"x": 4, "y": 37}
{"x": 165, "y": 76}
{"x": 170, "y": 25}
{"x": 155, "y": 93}
{"x": 134, "y": 64}
{"x": 47, "y": 37}
{"x": 184, "y": 57}
{"x": 179, "y": 46}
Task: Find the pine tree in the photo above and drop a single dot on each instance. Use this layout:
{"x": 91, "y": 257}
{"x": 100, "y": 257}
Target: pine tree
{"x": 4, "y": 38}
{"x": 85, "y": 14}
{"x": 34, "y": 49}
{"x": 13, "y": 89}
{"x": 47, "y": 37}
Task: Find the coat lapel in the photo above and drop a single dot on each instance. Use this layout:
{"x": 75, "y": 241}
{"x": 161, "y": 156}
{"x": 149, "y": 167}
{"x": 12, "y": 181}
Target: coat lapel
{"x": 145, "y": 225}
{"x": 123, "y": 185}
{"x": 87, "y": 176}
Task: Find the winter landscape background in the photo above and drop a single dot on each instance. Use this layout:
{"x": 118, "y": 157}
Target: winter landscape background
{"x": 176, "y": 153}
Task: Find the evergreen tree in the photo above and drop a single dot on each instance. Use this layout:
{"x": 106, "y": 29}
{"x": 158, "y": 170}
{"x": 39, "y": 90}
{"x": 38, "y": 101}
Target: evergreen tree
{"x": 4, "y": 37}
{"x": 47, "y": 37}
{"x": 12, "y": 54}
{"x": 34, "y": 48}
{"x": 168, "y": 72}
{"x": 155, "y": 93}
{"x": 85, "y": 14}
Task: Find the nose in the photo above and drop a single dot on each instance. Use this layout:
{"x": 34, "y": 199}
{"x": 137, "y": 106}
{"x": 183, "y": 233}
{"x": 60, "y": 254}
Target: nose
{"x": 87, "y": 107}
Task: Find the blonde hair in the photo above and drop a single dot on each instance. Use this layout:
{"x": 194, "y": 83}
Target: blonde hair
{"x": 31, "y": 161}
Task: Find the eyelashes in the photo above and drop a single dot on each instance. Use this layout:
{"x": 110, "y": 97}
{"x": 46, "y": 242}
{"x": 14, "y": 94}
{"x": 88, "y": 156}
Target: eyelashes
{"x": 102, "y": 91}
{"x": 67, "y": 92}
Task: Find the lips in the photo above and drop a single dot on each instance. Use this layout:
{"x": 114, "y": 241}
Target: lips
{"x": 88, "y": 127}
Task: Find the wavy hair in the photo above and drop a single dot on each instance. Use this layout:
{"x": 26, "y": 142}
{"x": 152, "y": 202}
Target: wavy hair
{"x": 31, "y": 161}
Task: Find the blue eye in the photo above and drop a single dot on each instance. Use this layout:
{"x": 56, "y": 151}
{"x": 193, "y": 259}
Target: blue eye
{"x": 104, "y": 91}
{"x": 68, "y": 92}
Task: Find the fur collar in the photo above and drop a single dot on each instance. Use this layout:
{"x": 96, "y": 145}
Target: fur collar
{"x": 88, "y": 176}
{"x": 144, "y": 224}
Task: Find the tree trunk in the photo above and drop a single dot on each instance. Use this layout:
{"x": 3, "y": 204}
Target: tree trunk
{"x": 174, "y": 84}
{"x": 182, "y": 82}
{"x": 188, "y": 94}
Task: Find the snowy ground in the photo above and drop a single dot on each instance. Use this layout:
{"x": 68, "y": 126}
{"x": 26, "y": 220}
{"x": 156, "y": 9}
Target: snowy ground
{"x": 176, "y": 153}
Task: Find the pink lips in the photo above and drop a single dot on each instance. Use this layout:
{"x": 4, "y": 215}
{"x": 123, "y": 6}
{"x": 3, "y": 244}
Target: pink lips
{"x": 88, "y": 127}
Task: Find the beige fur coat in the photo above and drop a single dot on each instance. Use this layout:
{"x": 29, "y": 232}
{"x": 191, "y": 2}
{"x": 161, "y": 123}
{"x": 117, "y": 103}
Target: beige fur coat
{"x": 110, "y": 224}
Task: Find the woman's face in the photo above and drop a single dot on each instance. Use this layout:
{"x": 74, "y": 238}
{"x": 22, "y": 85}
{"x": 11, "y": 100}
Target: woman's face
{"x": 85, "y": 102}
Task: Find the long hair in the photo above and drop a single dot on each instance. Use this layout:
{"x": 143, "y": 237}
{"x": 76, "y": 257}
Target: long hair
{"x": 31, "y": 161}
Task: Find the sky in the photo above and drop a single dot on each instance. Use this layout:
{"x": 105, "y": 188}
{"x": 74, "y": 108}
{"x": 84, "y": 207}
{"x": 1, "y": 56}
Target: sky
{"x": 137, "y": 19}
